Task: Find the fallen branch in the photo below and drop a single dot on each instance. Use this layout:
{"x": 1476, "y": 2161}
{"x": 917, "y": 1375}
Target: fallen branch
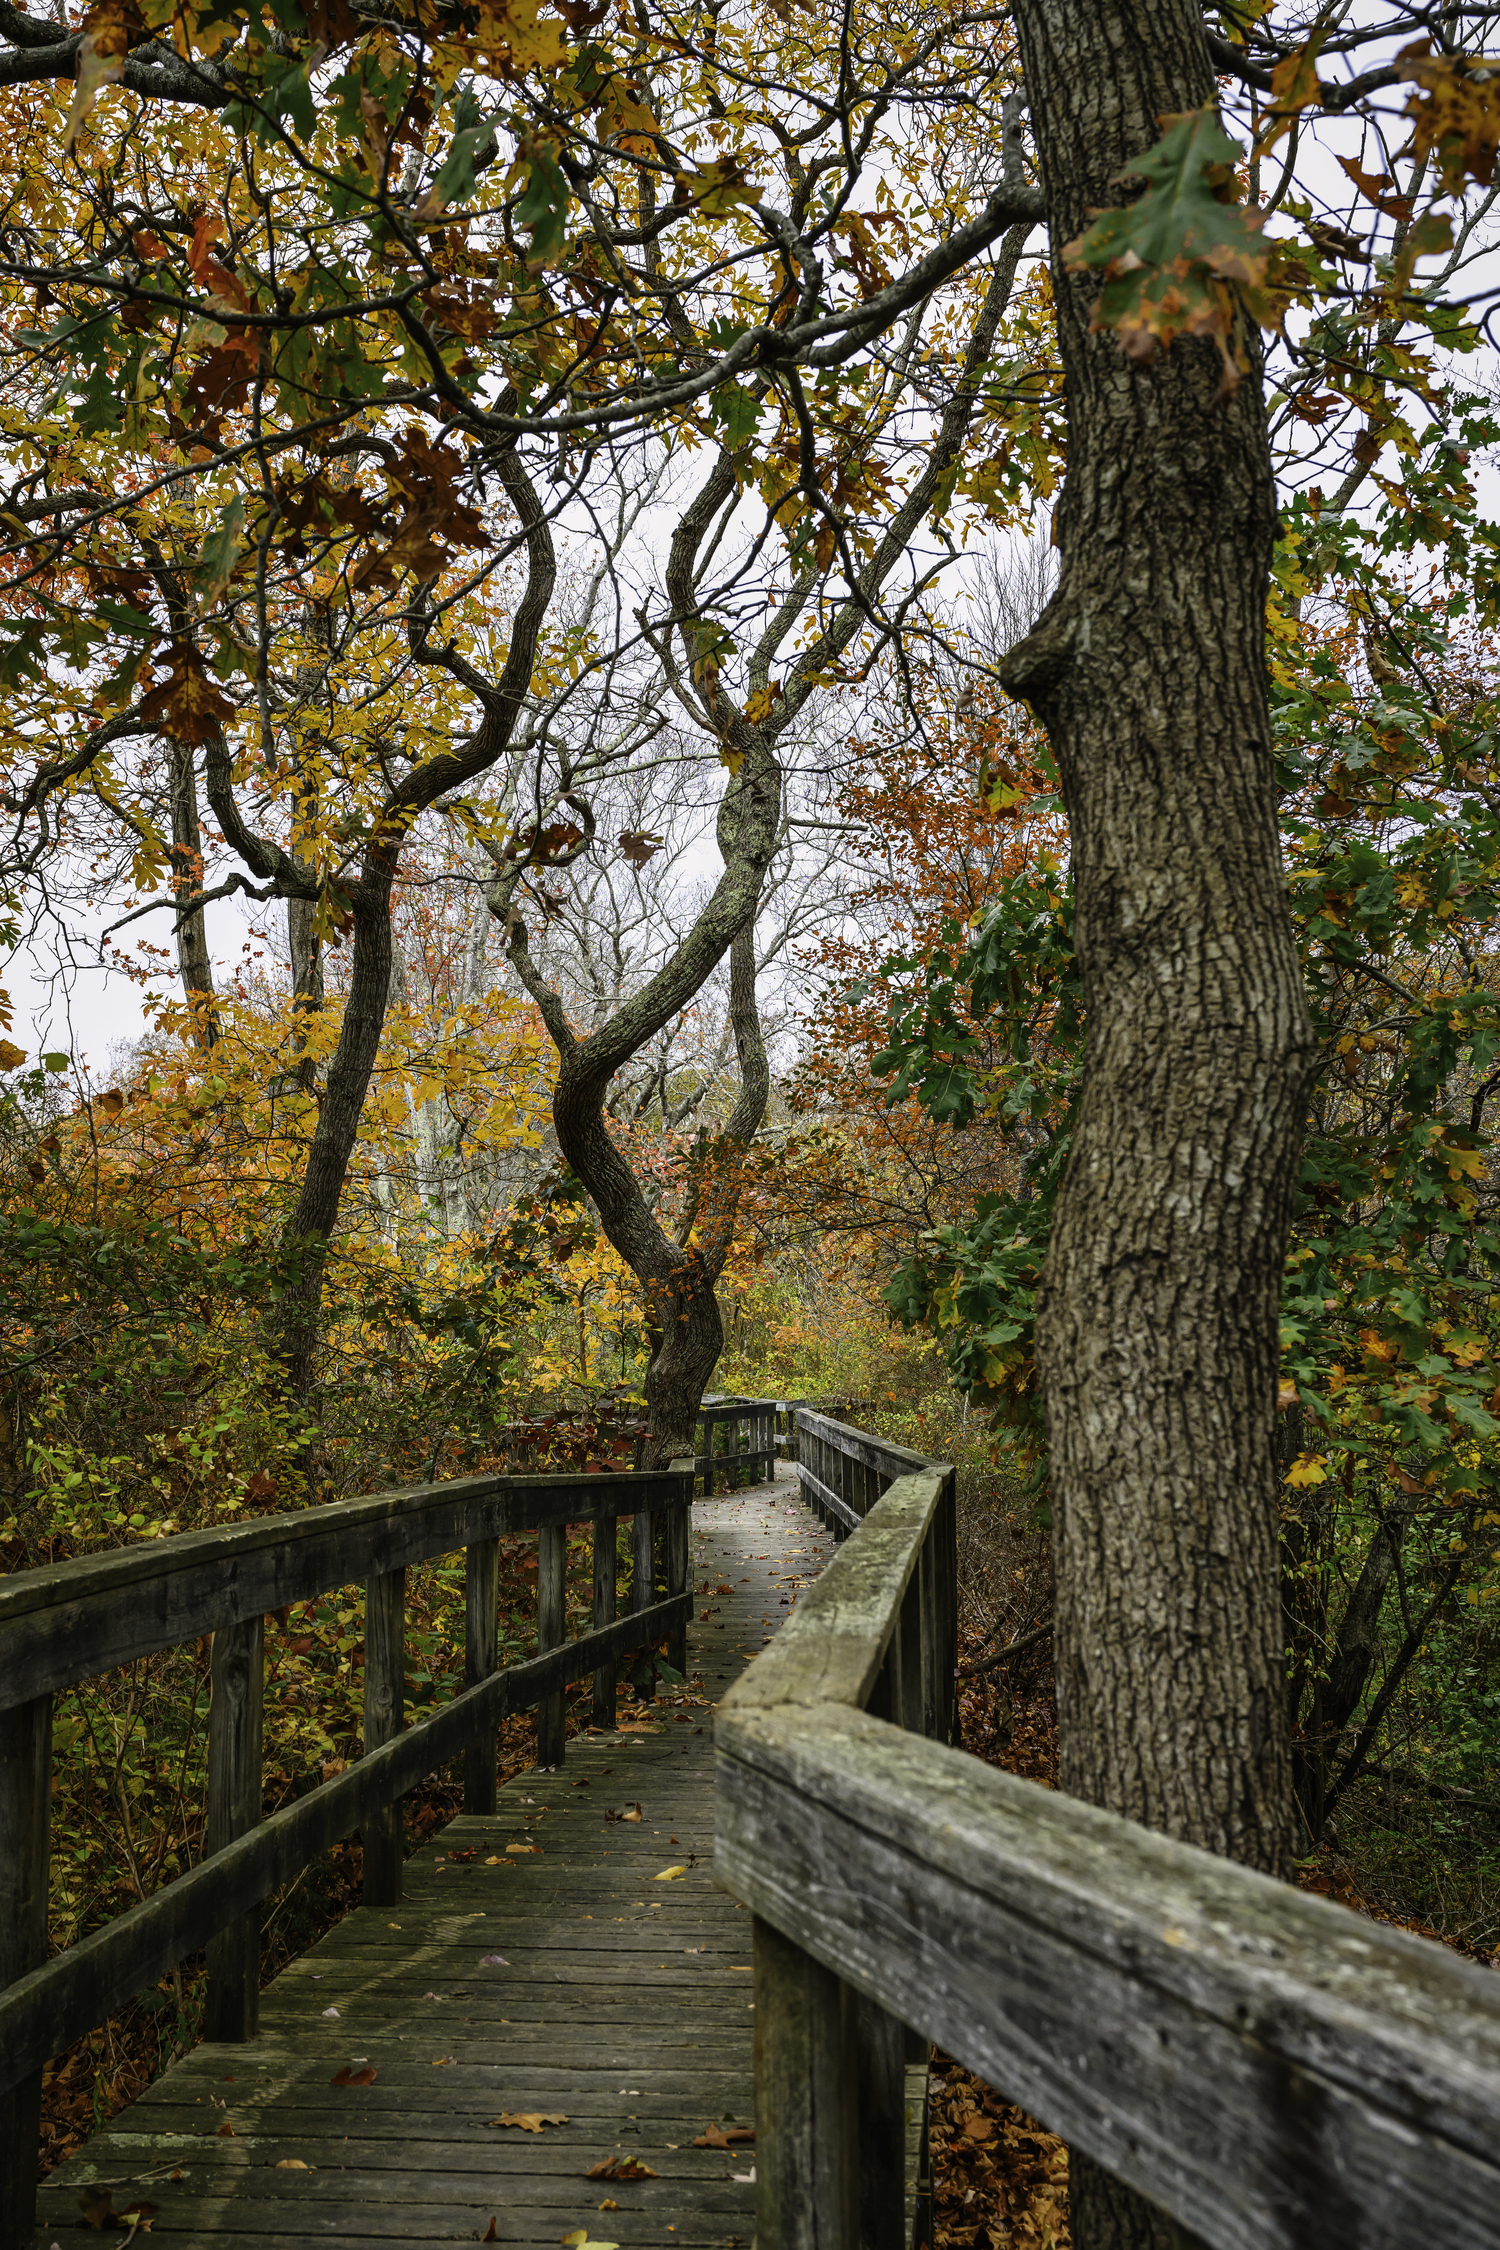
{"x": 1004, "y": 1655}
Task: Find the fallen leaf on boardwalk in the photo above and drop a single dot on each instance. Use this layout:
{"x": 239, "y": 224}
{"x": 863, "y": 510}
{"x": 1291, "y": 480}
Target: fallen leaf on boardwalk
{"x": 621, "y": 2168}
{"x": 489, "y": 2234}
{"x": 494, "y": 1860}
{"x": 715, "y": 2137}
{"x": 525, "y": 1848}
{"x": 348, "y": 2077}
{"x": 746, "y": 2179}
{"x": 631, "y": 1812}
{"x": 979, "y": 2128}
{"x": 432, "y": 1996}
{"x": 609, "y": 2204}
{"x": 99, "y": 2211}
{"x": 493, "y": 1961}
{"x": 292, "y": 2164}
{"x": 461, "y": 1856}
{"x": 669, "y": 1874}
{"x": 330, "y": 2011}
{"x": 529, "y": 2120}
{"x": 439, "y": 2060}
{"x": 226, "y": 2131}
{"x": 581, "y": 2239}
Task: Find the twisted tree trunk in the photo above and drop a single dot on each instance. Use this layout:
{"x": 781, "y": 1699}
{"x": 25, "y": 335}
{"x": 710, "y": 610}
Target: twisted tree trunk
{"x": 1157, "y": 1324}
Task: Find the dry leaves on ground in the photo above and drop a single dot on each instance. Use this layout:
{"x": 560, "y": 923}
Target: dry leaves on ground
{"x": 620, "y": 2168}
{"x": 529, "y": 2120}
{"x": 348, "y": 2077}
{"x": 1000, "y": 2182}
{"x": 716, "y": 2137}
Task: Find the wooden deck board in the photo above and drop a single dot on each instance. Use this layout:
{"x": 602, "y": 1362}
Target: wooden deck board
{"x": 623, "y": 2001}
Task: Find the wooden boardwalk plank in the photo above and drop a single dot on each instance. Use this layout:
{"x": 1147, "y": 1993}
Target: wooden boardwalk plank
{"x": 618, "y": 1999}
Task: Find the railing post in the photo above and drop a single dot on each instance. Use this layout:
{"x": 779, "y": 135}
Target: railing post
{"x": 25, "y": 1851}
{"x": 909, "y": 1711}
{"x": 881, "y": 2044}
{"x": 481, "y": 1624}
{"x": 235, "y": 1784}
{"x": 806, "y": 2096}
{"x": 708, "y": 1453}
{"x": 933, "y": 1684}
{"x": 551, "y": 1587}
{"x": 385, "y": 1715}
{"x": 680, "y": 1561}
{"x": 605, "y": 1573}
{"x": 945, "y": 1544}
{"x": 643, "y": 1560}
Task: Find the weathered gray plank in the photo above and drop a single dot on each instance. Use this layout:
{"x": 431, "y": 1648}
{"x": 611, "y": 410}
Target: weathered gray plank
{"x": 1275, "y": 2072}
{"x": 551, "y": 1596}
{"x": 235, "y": 1789}
{"x": 25, "y": 1849}
{"x": 481, "y": 1629}
{"x": 46, "y": 2010}
{"x": 806, "y": 2101}
{"x": 73, "y": 1620}
{"x": 826, "y": 1497}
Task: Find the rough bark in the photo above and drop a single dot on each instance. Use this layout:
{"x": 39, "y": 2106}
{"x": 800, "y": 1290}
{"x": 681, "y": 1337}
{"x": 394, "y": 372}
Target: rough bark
{"x": 1157, "y": 1321}
{"x": 193, "y": 963}
{"x": 678, "y": 1276}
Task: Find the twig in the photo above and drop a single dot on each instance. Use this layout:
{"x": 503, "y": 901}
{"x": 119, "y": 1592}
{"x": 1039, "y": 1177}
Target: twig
{"x": 1011, "y": 1648}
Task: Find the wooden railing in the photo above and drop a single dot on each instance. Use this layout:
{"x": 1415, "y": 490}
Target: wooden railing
{"x": 1273, "y": 2071}
{"x": 63, "y": 1625}
{"x": 756, "y": 1431}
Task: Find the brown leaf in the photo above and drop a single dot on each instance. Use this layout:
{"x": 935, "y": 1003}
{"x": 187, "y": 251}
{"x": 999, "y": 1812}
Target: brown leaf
{"x": 348, "y": 2077}
{"x": 99, "y": 2211}
{"x": 226, "y": 2131}
{"x": 638, "y": 845}
{"x": 529, "y": 2120}
{"x": 620, "y": 2168}
{"x": 489, "y": 2234}
{"x": 716, "y": 2137}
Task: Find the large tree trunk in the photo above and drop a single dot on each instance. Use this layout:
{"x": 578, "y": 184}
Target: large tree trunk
{"x": 1157, "y": 1323}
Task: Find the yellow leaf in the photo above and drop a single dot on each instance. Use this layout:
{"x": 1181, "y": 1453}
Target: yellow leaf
{"x": 763, "y": 703}
{"x": 668, "y": 1874}
{"x": 734, "y": 759}
{"x": 1306, "y": 1470}
{"x": 11, "y": 1056}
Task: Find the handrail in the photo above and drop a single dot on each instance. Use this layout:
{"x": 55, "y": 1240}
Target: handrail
{"x": 1272, "y": 2071}
{"x": 72, "y": 1621}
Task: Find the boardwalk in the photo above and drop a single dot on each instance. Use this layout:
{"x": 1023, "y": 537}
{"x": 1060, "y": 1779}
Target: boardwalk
{"x": 566, "y": 1979}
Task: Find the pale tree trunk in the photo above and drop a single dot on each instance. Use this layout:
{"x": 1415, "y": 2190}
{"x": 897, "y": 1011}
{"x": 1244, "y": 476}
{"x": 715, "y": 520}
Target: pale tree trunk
{"x": 193, "y": 963}
{"x": 1157, "y": 1320}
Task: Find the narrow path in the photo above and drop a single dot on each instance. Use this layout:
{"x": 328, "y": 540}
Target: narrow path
{"x": 541, "y": 1965}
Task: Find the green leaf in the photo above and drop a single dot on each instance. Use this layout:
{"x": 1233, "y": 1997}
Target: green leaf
{"x": 1176, "y": 261}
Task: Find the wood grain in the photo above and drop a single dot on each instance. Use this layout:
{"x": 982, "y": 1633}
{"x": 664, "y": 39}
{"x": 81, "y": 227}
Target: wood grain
{"x": 1276, "y": 2072}
{"x": 237, "y": 1669}
{"x": 563, "y": 1980}
{"x": 70, "y": 1621}
{"x": 43, "y": 2012}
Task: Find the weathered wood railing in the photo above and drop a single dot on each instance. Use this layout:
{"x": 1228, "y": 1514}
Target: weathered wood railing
{"x": 756, "y": 1431}
{"x": 1271, "y": 2070}
{"x": 67, "y": 1624}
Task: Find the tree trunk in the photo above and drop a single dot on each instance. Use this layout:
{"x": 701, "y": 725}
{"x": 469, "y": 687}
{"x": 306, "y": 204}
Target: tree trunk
{"x": 1157, "y": 1321}
{"x": 339, "y": 1112}
{"x": 193, "y": 963}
